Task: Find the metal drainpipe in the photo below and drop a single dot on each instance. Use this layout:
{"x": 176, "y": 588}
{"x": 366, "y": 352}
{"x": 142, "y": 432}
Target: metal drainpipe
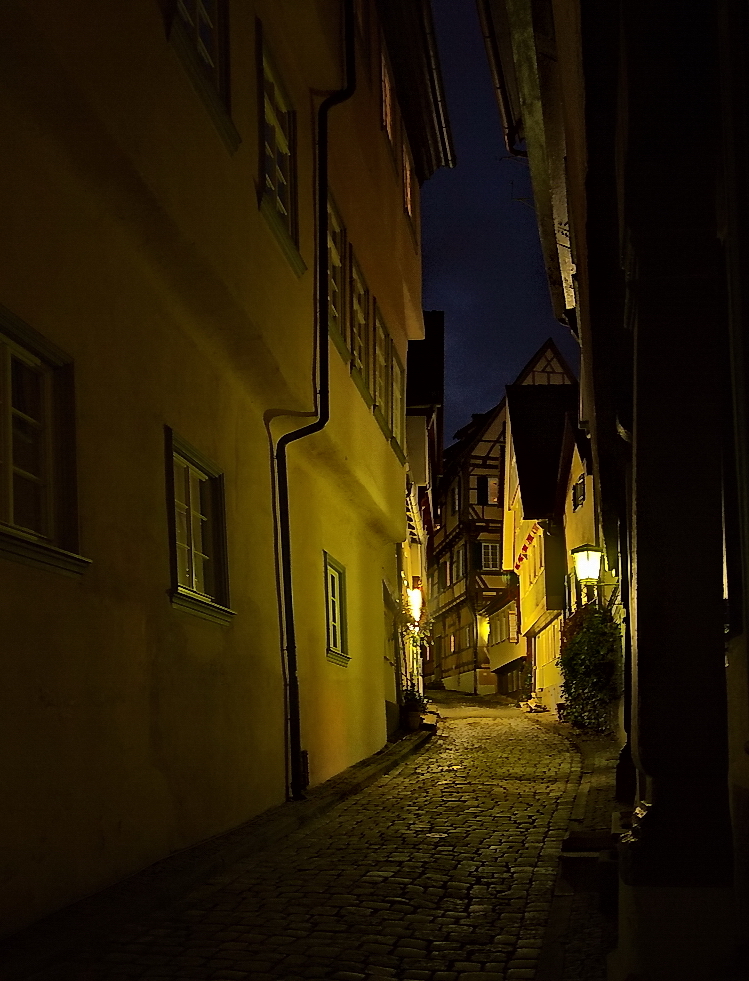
{"x": 297, "y": 782}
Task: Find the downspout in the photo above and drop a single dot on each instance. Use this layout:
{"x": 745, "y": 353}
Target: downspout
{"x": 296, "y": 768}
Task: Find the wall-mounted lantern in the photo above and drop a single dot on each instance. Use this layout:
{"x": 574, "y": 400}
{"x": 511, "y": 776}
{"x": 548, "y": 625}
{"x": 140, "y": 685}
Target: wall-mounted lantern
{"x": 587, "y": 563}
{"x": 587, "y": 560}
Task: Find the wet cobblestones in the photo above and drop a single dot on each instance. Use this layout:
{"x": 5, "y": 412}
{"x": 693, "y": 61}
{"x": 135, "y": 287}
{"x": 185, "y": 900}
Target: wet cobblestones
{"x": 442, "y": 870}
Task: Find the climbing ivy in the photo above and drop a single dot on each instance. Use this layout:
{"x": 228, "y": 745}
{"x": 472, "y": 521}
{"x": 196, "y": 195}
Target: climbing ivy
{"x": 590, "y": 660}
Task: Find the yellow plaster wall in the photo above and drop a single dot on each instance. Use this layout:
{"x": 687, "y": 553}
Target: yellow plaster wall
{"x": 133, "y": 241}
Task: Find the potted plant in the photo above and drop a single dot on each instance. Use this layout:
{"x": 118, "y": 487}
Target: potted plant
{"x": 413, "y": 706}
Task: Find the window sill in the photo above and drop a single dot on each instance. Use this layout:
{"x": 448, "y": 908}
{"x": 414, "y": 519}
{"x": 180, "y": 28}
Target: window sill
{"x": 398, "y": 451}
{"x": 281, "y": 232}
{"x": 211, "y": 99}
{"x": 382, "y": 422}
{"x": 207, "y": 610}
{"x": 362, "y": 386}
{"x": 340, "y": 344}
{"x": 338, "y": 657}
{"x": 30, "y": 551}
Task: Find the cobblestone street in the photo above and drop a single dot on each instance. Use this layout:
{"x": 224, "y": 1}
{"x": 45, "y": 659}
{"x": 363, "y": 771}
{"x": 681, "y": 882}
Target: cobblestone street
{"x": 441, "y": 870}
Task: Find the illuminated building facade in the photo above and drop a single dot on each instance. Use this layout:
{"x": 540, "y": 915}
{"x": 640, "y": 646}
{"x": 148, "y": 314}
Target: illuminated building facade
{"x": 473, "y": 592}
{"x": 210, "y": 277}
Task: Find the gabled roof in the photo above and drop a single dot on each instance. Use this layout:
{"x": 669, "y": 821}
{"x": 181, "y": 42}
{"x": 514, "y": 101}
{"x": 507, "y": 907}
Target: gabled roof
{"x": 469, "y": 436}
{"x": 546, "y": 367}
{"x": 538, "y": 418}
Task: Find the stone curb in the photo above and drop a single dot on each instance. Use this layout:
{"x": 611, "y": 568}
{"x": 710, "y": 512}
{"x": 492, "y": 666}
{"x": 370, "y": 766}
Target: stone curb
{"x": 119, "y": 908}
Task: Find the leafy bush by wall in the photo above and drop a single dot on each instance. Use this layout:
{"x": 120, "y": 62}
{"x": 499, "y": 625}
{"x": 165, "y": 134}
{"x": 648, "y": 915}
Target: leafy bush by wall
{"x": 590, "y": 660}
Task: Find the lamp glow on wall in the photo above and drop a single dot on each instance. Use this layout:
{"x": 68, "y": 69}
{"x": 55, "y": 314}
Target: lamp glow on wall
{"x": 587, "y": 559}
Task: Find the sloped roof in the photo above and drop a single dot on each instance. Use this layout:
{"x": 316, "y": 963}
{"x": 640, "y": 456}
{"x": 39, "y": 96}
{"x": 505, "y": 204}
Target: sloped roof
{"x": 538, "y": 416}
{"x": 548, "y": 362}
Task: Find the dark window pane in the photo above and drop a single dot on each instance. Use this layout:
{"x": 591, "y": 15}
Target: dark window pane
{"x": 28, "y": 504}
{"x": 26, "y": 389}
{"x": 27, "y": 446}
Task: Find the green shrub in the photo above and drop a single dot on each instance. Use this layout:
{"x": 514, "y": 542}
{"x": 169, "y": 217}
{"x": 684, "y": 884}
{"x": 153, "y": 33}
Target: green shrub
{"x": 590, "y": 660}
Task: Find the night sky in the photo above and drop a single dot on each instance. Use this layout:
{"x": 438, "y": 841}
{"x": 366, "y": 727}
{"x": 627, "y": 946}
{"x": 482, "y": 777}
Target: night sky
{"x": 482, "y": 258}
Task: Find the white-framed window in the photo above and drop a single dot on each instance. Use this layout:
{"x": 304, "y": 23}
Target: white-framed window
{"x": 455, "y": 498}
{"x": 279, "y": 165}
{"x": 27, "y": 423}
{"x": 38, "y": 519}
{"x": 335, "y": 603}
{"x": 200, "y": 581}
{"x": 388, "y": 98}
{"x": 491, "y": 558}
{"x": 205, "y": 25}
{"x": 360, "y": 326}
{"x": 336, "y": 273}
{"x": 382, "y": 363}
{"x": 398, "y": 400}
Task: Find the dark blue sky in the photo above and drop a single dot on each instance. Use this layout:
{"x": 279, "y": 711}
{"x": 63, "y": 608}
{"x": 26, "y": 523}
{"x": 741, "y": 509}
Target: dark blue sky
{"x": 482, "y": 259}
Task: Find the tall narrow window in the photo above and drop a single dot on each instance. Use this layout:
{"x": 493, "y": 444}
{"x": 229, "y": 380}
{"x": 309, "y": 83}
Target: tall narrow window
{"x": 360, "y": 326}
{"x": 382, "y": 362}
{"x": 398, "y": 400}
{"x": 578, "y": 492}
{"x": 204, "y": 24}
{"x": 388, "y": 107}
{"x": 459, "y": 563}
{"x": 199, "y": 543}
{"x": 193, "y": 519}
{"x": 336, "y": 279}
{"x": 28, "y": 470}
{"x": 408, "y": 182}
{"x": 279, "y": 163}
{"x": 37, "y": 488}
{"x": 335, "y": 600}
{"x": 491, "y": 560}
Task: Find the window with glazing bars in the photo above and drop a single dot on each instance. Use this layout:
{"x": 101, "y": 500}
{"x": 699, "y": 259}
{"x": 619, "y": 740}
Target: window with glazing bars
{"x": 204, "y": 26}
{"x": 279, "y": 147}
{"x": 360, "y": 325}
{"x": 25, "y": 403}
{"x": 382, "y": 362}
{"x": 199, "y": 541}
{"x": 336, "y": 252}
{"x": 388, "y": 107}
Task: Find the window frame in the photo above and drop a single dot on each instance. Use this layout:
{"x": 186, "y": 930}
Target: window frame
{"x": 397, "y": 398}
{"x": 578, "y": 492}
{"x": 339, "y": 328}
{"x": 210, "y": 606}
{"x": 487, "y": 549}
{"x": 283, "y": 218}
{"x": 337, "y": 653}
{"x": 387, "y": 98}
{"x": 212, "y": 84}
{"x": 361, "y": 330}
{"x": 382, "y": 380}
{"x": 54, "y": 545}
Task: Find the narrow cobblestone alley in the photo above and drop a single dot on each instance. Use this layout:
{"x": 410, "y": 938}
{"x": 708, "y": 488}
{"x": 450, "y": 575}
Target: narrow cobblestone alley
{"x": 441, "y": 870}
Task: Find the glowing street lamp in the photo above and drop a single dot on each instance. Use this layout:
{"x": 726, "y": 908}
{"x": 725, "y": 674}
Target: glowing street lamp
{"x": 587, "y": 560}
{"x": 415, "y": 600}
